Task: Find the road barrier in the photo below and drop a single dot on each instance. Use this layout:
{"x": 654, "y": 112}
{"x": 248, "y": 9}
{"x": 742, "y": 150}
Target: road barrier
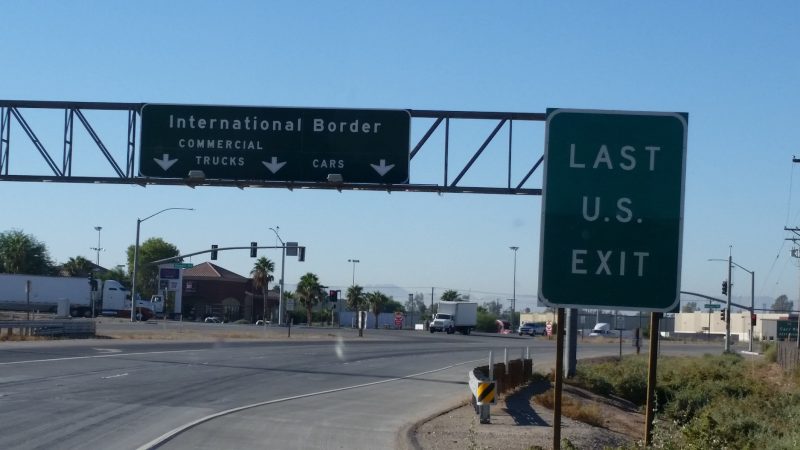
{"x": 487, "y": 382}
{"x": 71, "y": 328}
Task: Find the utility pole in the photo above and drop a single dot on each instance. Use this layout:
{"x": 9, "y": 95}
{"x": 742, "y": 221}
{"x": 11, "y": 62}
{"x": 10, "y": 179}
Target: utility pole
{"x": 795, "y": 254}
{"x": 728, "y": 306}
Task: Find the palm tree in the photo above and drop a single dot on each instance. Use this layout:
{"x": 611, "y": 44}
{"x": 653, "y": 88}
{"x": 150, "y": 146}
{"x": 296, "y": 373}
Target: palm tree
{"x": 309, "y": 293}
{"x": 451, "y": 296}
{"x": 77, "y": 267}
{"x": 377, "y": 300}
{"x": 262, "y": 275}
{"x": 356, "y": 301}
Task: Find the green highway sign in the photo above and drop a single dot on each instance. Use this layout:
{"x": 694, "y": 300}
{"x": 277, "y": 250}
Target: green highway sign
{"x": 612, "y": 209}
{"x": 787, "y": 329}
{"x": 711, "y": 306}
{"x": 182, "y": 265}
{"x": 275, "y": 144}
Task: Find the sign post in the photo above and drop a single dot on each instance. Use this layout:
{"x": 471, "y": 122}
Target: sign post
{"x": 275, "y": 144}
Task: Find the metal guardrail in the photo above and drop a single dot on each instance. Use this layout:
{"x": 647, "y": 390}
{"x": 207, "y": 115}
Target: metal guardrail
{"x": 48, "y": 327}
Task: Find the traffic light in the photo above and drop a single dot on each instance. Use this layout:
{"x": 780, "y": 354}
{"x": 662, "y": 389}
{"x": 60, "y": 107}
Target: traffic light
{"x": 253, "y": 249}
{"x": 301, "y": 255}
{"x": 92, "y": 282}
{"x": 722, "y": 315}
{"x": 724, "y": 288}
{"x": 214, "y": 251}
{"x": 753, "y": 319}
{"x": 333, "y": 296}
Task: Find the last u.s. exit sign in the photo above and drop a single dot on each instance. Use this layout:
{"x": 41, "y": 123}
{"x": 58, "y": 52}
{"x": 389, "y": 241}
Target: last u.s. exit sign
{"x": 612, "y": 209}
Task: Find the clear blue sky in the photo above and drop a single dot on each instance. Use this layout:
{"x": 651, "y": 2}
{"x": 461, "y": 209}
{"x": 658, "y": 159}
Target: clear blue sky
{"x": 733, "y": 66}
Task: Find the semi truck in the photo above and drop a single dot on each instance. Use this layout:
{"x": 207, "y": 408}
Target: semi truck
{"x": 455, "y": 316}
{"x": 44, "y": 293}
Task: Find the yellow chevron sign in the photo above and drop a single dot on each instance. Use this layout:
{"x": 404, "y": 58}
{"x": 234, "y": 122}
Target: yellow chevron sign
{"x": 485, "y": 393}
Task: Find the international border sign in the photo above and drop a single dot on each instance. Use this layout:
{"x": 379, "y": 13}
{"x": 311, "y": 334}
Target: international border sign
{"x": 275, "y": 144}
{"x": 612, "y": 209}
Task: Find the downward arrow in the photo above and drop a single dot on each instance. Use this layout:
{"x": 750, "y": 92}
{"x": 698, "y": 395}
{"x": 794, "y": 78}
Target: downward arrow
{"x": 274, "y": 165}
{"x": 382, "y": 168}
{"x": 165, "y": 162}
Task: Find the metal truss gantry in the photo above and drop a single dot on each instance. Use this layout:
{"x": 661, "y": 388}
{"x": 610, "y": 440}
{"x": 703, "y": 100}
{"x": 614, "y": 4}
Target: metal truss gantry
{"x": 13, "y": 115}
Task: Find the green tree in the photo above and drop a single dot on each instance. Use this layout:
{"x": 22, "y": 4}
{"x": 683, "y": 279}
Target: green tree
{"x": 262, "y": 275}
{"x": 377, "y": 300}
{"x": 416, "y": 305}
{"x": 153, "y": 249}
{"x": 451, "y": 296}
{"x": 117, "y": 274}
{"x": 782, "y": 304}
{"x": 494, "y": 307}
{"x": 355, "y": 298}
{"x": 356, "y": 301}
{"x": 309, "y": 293}
{"x": 689, "y": 307}
{"x": 77, "y": 267}
{"x": 393, "y": 306}
{"x": 23, "y": 253}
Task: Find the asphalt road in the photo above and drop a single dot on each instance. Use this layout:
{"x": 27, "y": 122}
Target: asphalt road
{"x": 339, "y": 391}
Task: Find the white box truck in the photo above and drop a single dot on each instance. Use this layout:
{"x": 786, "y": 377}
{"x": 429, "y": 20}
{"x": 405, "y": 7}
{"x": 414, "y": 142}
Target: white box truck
{"x": 455, "y": 316}
{"x": 43, "y": 293}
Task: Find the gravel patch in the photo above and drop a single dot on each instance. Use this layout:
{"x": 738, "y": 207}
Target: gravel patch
{"x": 519, "y": 423}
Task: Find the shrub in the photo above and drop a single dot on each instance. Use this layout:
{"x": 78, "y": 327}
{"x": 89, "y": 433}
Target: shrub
{"x": 486, "y": 322}
{"x": 770, "y": 350}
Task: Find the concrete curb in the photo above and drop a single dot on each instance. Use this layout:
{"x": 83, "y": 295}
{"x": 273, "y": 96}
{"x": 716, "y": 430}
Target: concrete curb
{"x": 407, "y": 437}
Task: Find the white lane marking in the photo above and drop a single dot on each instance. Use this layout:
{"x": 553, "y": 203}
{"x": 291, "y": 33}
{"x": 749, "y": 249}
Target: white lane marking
{"x": 171, "y": 434}
{"x": 108, "y": 350}
{"x": 71, "y": 358}
{"x": 115, "y": 376}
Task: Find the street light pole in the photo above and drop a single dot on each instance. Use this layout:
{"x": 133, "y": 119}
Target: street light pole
{"x": 514, "y": 289}
{"x": 98, "y": 248}
{"x": 752, "y": 299}
{"x": 283, "y": 265}
{"x": 354, "y": 261}
{"x": 136, "y": 260}
{"x": 752, "y": 273}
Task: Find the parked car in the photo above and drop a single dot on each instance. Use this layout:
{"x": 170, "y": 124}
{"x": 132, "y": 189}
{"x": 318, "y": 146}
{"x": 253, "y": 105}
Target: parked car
{"x": 526, "y": 328}
{"x": 532, "y": 329}
{"x": 212, "y": 319}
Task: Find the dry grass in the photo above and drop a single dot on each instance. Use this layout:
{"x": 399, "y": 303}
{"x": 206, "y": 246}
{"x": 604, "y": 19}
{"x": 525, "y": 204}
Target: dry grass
{"x": 573, "y": 408}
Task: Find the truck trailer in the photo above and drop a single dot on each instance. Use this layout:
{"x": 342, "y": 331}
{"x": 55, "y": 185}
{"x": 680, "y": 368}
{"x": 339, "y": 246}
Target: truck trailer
{"x": 455, "y": 316}
{"x": 44, "y": 293}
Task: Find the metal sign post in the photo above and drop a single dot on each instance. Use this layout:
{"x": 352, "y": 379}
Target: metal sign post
{"x": 651, "y": 379}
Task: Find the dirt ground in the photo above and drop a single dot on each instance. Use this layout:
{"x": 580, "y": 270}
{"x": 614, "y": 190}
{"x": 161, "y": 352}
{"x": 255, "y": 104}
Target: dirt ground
{"x": 517, "y": 422}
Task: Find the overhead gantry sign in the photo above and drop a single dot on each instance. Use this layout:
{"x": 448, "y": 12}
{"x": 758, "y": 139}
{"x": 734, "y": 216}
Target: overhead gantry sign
{"x": 275, "y": 144}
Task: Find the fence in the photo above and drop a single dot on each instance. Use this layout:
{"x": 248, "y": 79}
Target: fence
{"x": 788, "y": 355}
